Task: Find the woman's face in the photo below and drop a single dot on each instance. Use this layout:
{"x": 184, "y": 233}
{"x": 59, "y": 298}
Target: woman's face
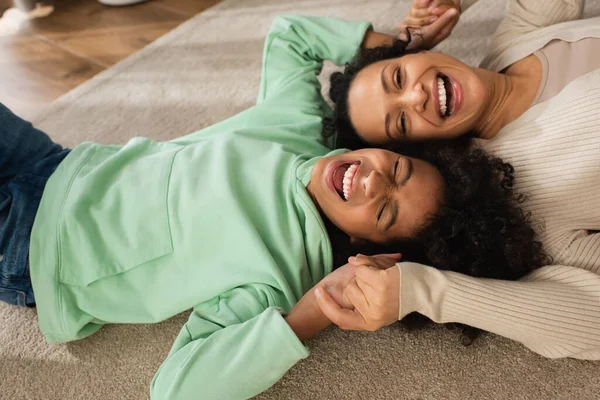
{"x": 376, "y": 195}
{"x": 416, "y": 97}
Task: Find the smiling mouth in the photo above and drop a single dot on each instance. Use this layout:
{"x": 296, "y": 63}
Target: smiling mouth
{"x": 447, "y": 97}
{"x": 343, "y": 179}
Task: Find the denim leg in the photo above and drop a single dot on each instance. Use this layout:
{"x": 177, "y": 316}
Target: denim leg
{"x": 21, "y": 145}
{"x": 27, "y": 159}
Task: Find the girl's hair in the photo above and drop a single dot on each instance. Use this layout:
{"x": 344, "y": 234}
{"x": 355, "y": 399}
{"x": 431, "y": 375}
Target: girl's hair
{"x": 340, "y": 82}
{"x": 479, "y": 230}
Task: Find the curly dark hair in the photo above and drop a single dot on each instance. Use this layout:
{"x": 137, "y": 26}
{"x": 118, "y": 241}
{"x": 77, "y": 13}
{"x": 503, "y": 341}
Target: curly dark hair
{"x": 479, "y": 230}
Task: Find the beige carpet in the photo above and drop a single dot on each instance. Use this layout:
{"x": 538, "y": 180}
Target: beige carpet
{"x": 202, "y": 72}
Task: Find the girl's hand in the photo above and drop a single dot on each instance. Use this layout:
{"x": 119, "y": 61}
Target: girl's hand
{"x": 374, "y": 295}
{"x": 424, "y": 12}
{"x": 429, "y": 22}
{"x": 336, "y": 282}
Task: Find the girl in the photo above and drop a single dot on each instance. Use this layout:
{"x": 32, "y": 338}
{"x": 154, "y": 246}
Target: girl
{"x": 237, "y": 221}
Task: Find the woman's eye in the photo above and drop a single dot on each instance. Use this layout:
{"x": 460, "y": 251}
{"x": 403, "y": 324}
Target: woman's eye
{"x": 403, "y": 124}
{"x": 398, "y": 79}
{"x": 380, "y": 213}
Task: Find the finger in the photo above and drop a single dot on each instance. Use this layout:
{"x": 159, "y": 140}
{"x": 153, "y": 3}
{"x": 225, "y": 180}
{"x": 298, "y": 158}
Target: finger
{"x": 444, "y": 21}
{"x": 371, "y": 294}
{"x": 376, "y": 262}
{"x": 419, "y": 13}
{"x": 356, "y": 297}
{"x": 439, "y": 10}
{"x": 444, "y": 33}
{"x": 371, "y": 276}
{"x": 389, "y": 258}
{"x": 395, "y": 256}
{"x": 362, "y": 258}
{"x": 418, "y": 22}
{"x": 380, "y": 261}
{"x": 342, "y": 317}
{"x": 421, "y": 3}
{"x": 359, "y": 262}
{"x": 439, "y": 3}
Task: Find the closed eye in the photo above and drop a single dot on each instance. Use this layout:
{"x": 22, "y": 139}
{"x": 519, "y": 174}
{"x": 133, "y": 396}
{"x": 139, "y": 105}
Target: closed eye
{"x": 380, "y": 213}
{"x": 394, "y": 179}
{"x": 401, "y": 124}
{"x": 401, "y": 121}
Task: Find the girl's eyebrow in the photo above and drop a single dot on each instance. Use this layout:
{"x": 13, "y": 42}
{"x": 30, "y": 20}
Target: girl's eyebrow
{"x": 394, "y": 216}
{"x": 409, "y": 171}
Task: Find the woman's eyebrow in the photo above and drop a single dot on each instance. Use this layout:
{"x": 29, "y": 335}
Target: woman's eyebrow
{"x": 386, "y": 88}
{"x": 387, "y": 126}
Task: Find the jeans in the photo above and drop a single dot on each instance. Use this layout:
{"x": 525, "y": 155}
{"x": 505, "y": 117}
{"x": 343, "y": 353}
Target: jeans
{"x": 27, "y": 159}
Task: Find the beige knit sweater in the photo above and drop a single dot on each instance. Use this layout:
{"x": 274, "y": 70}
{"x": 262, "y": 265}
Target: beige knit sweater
{"x": 555, "y": 149}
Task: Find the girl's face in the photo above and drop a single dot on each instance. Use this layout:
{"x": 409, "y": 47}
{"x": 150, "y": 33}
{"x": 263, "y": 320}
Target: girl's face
{"x": 416, "y": 97}
{"x": 376, "y": 195}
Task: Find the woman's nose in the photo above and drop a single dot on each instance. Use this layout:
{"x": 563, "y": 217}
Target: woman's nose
{"x": 414, "y": 97}
{"x": 373, "y": 184}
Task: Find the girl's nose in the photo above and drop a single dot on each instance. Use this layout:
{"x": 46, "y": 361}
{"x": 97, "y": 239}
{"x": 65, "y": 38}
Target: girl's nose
{"x": 373, "y": 184}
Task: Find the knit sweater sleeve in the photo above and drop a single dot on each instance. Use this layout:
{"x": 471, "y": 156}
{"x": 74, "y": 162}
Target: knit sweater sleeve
{"x": 554, "y": 311}
{"x": 525, "y": 16}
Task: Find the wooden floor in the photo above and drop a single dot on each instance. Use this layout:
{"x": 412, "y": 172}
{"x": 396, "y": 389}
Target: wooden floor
{"x": 41, "y": 59}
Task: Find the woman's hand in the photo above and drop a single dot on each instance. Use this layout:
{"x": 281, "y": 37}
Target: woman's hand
{"x": 336, "y": 282}
{"x": 373, "y": 296}
{"x": 429, "y": 22}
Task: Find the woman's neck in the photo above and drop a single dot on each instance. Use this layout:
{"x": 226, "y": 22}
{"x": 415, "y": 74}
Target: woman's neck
{"x": 512, "y": 93}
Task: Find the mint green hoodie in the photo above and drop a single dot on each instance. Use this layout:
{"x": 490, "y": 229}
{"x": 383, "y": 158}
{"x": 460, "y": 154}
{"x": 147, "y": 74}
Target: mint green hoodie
{"x": 219, "y": 221}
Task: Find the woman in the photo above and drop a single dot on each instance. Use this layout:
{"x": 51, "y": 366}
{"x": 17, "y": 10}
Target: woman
{"x": 534, "y": 103}
{"x": 141, "y": 232}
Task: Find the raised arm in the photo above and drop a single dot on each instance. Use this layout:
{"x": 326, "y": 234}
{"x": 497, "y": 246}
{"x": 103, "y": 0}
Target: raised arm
{"x": 295, "y": 49}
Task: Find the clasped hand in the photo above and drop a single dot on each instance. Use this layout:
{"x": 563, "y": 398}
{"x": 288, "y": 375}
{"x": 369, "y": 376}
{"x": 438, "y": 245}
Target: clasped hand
{"x": 429, "y": 22}
{"x": 363, "y": 294}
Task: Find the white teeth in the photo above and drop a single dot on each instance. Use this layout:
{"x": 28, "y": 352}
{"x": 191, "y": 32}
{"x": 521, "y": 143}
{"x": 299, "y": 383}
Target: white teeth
{"x": 442, "y": 94}
{"x": 348, "y": 180}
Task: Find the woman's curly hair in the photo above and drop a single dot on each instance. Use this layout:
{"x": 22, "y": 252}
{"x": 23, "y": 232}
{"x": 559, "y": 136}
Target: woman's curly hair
{"x": 479, "y": 229}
